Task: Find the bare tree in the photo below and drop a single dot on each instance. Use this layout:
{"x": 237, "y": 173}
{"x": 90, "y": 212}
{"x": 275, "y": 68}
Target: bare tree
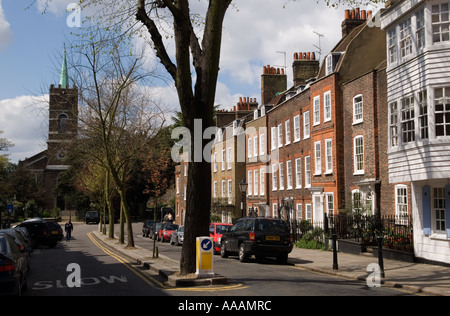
{"x": 116, "y": 111}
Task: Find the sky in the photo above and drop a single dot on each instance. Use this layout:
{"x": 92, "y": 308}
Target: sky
{"x": 256, "y": 33}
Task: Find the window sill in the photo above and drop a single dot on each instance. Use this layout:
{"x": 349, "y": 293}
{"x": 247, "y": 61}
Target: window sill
{"x": 439, "y": 236}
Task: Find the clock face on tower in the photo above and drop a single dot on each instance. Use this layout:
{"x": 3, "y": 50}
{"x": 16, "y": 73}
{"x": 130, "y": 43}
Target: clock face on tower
{"x": 61, "y": 154}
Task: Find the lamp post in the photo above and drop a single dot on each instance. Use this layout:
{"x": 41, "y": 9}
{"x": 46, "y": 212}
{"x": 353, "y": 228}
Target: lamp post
{"x": 243, "y": 188}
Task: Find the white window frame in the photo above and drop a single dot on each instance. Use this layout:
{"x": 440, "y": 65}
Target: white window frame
{"x": 317, "y": 158}
{"x": 255, "y": 146}
{"x": 296, "y": 128}
{"x": 230, "y": 191}
{"x": 329, "y": 199}
{"x": 392, "y": 45}
{"x": 406, "y": 41}
{"x": 327, "y": 106}
{"x": 401, "y": 204}
{"x": 223, "y": 159}
{"x": 215, "y": 189}
{"x": 280, "y": 135}
{"x": 438, "y": 211}
{"x": 249, "y": 147}
{"x": 308, "y": 212}
{"x": 288, "y": 175}
{"x": 273, "y": 137}
{"x": 438, "y": 25}
{"x": 298, "y": 208}
{"x": 316, "y": 110}
{"x": 216, "y": 166}
{"x": 281, "y": 175}
{"x": 307, "y": 171}
{"x": 262, "y": 143}
{"x": 223, "y": 188}
{"x": 358, "y": 155}
{"x": 274, "y": 210}
{"x": 255, "y": 182}
{"x": 298, "y": 173}
{"x": 306, "y": 125}
{"x": 328, "y": 156}
{"x": 287, "y": 127}
{"x": 262, "y": 181}
{"x": 358, "y": 109}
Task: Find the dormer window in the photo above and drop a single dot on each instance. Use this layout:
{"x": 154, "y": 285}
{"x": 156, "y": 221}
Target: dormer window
{"x": 330, "y": 62}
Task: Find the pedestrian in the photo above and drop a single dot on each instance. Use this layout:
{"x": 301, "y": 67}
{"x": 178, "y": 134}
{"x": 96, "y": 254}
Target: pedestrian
{"x": 68, "y": 229}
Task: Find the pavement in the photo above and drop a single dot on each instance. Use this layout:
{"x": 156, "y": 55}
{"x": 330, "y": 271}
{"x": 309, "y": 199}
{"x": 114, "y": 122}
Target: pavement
{"x": 416, "y": 277}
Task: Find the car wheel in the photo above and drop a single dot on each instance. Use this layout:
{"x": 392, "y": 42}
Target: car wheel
{"x": 223, "y": 251}
{"x": 243, "y": 256}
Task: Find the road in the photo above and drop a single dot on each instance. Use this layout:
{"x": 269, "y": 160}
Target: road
{"x": 104, "y": 272}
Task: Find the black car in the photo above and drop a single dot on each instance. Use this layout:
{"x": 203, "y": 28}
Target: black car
{"x": 259, "y": 236}
{"x": 92, "y": 217}
{"x": 148, "y": 224}
{"x": 43, "y": 232}
{"x": 13, "y": 267}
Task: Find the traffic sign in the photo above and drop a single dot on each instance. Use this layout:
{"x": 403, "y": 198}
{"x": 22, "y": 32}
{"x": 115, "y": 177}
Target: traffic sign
{"x": 204, "y": 256}
{"x": 10, "y": 209}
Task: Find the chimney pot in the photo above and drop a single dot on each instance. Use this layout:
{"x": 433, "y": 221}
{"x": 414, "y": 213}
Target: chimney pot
{"x": 347, "y": 14}
{"x": 363, "y": 15}
{"x": 295, "y": 56}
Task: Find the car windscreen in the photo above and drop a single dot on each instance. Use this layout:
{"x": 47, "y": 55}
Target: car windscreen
{"x": 220, "y": 229}
{"x": 171, "y": 227}
{"x": 181, "y": 229}
{"x": 271, "y": 226}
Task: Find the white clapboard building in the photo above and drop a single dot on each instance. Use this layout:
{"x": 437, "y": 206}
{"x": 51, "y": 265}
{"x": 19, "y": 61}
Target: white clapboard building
{"x": 418, "y": 77}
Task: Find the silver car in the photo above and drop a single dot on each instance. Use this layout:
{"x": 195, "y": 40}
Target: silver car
{"x": 177, "y": 236}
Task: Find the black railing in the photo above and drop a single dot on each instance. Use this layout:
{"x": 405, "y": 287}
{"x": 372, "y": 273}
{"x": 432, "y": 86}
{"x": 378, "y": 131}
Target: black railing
{"x": 397, "y": 231}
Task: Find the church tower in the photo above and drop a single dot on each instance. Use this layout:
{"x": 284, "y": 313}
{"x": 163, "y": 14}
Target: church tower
{"x": 62, "y": 131}
{"x": 63, "y": 122}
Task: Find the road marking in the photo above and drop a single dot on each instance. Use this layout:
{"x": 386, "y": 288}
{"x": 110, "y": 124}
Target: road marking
{"x": 145, "y": 277}
{"x": 155, "y": 283}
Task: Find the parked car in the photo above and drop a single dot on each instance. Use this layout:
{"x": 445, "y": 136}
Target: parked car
{"x": 216, "y": 231}
{"x": 146, "y": 227}
{"x": 177, "y": 236}
{"x": 13, "y": 267}
{"x": 43, "y": 232}
{"x": 21, "y": 241}
{"x": 154, "y": 230}
{"x": 166, "y": 231}
{"x": 92, "y": 217}
{"x": 259, "y": 236}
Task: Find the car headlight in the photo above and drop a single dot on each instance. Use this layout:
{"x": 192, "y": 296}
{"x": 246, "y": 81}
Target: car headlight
{"x": 219, "y": 240}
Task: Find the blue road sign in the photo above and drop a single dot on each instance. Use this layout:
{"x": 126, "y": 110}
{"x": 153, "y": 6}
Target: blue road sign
{"x": 10, "y": 209}
{"x": 206, "y": 244}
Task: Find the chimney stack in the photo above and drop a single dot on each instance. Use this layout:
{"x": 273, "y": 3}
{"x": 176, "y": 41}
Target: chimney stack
{"x": 353, "y": 19}
{"x": 305, "y": 66}
{"x": 273, "y": 81}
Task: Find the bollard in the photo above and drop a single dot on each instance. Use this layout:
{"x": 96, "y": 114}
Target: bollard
{"x": 335, "y": 260}
{"x": 380, "y": 256}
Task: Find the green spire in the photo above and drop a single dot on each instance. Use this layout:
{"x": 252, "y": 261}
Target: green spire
{"x": 64, "y": 80}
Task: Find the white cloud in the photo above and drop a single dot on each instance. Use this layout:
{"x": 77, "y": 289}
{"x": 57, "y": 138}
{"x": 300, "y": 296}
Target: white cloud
{"x": 6, "y": 35}
{"x": 25, "y": 123}
{"x": 56, "y": 7}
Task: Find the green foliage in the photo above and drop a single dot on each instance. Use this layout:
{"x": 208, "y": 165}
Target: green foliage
{"x": 313, "y": 239}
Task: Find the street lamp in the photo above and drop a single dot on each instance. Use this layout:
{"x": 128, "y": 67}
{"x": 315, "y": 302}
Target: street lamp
{"x": 243, "y": 188}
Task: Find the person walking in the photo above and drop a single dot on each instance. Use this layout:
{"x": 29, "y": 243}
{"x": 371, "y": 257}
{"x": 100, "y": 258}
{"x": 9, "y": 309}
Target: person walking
{"x": 68, "y": 229}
